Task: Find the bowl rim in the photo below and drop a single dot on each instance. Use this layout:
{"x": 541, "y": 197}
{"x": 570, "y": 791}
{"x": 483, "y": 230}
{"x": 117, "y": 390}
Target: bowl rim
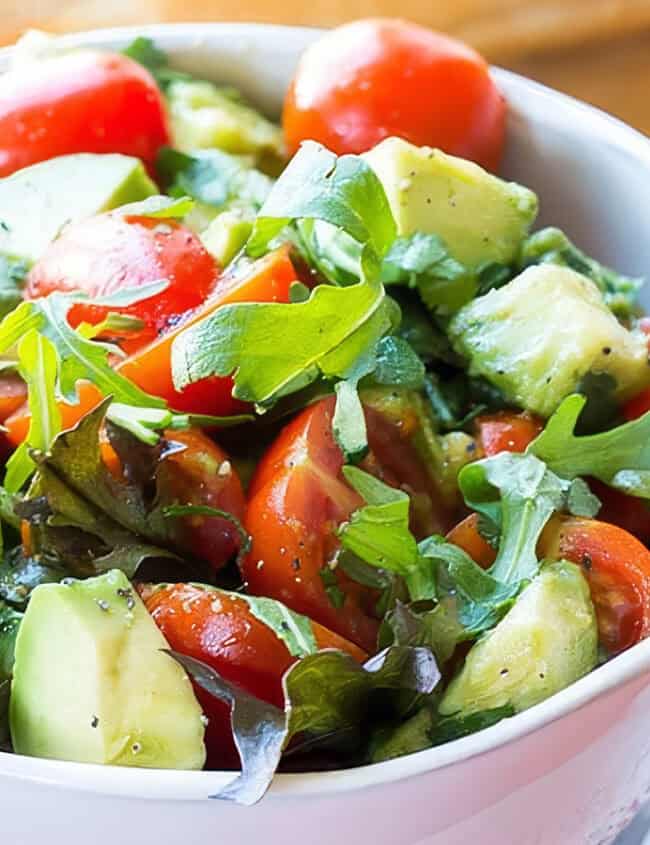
{"x": 172, "y": 785}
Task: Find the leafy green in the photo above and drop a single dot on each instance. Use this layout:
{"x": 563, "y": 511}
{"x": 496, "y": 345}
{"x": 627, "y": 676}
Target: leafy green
{"x": 330, "y": 251}
{"x": 519, "y": 494}
{"x": 344, "y": 192}
{"x": 325, "y": 693}
{"x": 10, "y": 620}
{"x": 145, "y": 52}
{"x": 212, "y": 177}
{"x": 620, "y": 457}
{"x": 379, "y": 534}
{"x": 349, "y": 422}
{"x": 38, "y": 366}
{"x": 19, "y": 575}
{"x": 12, "y": 277}
{"x": 293, "y": 629}
{"x": 552, "y": 246}
{"x": 396, "y": 363}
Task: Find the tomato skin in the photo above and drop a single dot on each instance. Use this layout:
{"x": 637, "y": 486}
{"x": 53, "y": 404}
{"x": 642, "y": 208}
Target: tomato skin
{"x": 467, "y": 536}
{"x": 111, "y": 252}
{"x": 617, "y": 567}
{"x": 298, "y": 498}
{"x": 80, "y": 102}
{"x": 13, "y": 393}
{"x": 201, "y": 474}
{"x": 219, "y": 629}
{"x": 507, "y": 432}
{"x": 628, "y": 512}
{"x": 268, "y": 280}
{"x": 371, "y": 79}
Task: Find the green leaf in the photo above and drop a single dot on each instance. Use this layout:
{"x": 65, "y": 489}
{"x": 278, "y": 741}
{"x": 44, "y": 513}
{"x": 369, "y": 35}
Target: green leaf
{"x": 325, "y": 693}
{"x": 396, "y": 363}
{"x": 379, "y": 533}
{"x": 79, "y": 358}
{"x": 619, "y": 457}
{"x": 20, "y": 575}
{"x": 273, "y": 349}
{"x": 165, "y": 208}
{"x": 127, "y": 296}
{"x": 212, "y": 177}
{"x": 317, "y": 185}
{"x": 10, "y": 620}
{"x": 175, "y": 511}
{"x": 552, "y": 246}
{"x": 519, "y": 494}
{"x": 38, "y": 366}
{"x": 293, "y": 629}
{"x": 13, "y": 272}
{"x": 481, "y": 599}
{"x": 145, "y": 52}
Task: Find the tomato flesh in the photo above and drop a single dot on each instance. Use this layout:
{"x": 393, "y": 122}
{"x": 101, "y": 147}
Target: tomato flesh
{"x": 395, "y": 78}
{"x": 298, "y": 498}
{"x": 507, "y": 432}
{"x": 219, "y": 629}
{"x": 79, "y": 102}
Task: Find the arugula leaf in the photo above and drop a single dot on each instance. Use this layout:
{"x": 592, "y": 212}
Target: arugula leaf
{"x": 619, "y": 457}
{"x": 343, "y": 191}
{"x": 212, "y": 177}
{"x": 273, "y": 349}
{"x": 519, "y": 494}
{"x": 325, "y": 693}
{"x": 379, "y": 533}
{"x": 481, "y": 600}
{"x": 329, "y": 250}
{"x": 396, "y": 363}
{"x": 13, "y": 272}
{"x": 20, "y": 575}
{"x": 349, "y": 422}
{"x": 205, "y": 510}
{"x": 552, "y": 246}
{"x": 38, "y": 366}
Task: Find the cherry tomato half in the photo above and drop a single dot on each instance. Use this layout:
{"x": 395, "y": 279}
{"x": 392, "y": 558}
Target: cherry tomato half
{"x": 371, "y": 79}
{"x": 219, "y": 629}
{"x": 112, "y": 252}
{"x": 298, "y": 498}
{"x": 80, "y": 102}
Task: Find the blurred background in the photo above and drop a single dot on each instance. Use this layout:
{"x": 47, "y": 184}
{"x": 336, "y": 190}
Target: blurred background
{"x": 598, "y": 50}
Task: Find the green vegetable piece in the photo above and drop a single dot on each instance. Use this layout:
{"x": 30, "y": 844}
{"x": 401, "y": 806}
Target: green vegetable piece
{"x": 620, "y": 457}
{"x": 92, "y": 685}
{"x": 204, "y": 116}
{"x": 12, "y": 277}
{"x": 552, "y": 246}
{"x": 479, "y": 217}
{"x": 407, "y": 738}
{"x": 38, "y": 201}
{"x": 546, "y": 642}
{"x": 537, "y": 337}
{"x": 226, "y": 235}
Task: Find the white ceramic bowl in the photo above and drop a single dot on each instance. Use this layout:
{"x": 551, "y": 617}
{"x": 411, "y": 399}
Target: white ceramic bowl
{"x": 571, "y": 771}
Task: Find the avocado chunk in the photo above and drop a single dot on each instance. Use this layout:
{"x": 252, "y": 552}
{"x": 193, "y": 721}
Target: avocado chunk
{"x": 92, "y": 685}
{"x": 205, "y": 116}
{"x": 547, "y": 641}
{"x": 480, "y": 217}
{"x": 38, "y": 201}
{"x": 537, "y": 337}
{"x": 227, "y": 234}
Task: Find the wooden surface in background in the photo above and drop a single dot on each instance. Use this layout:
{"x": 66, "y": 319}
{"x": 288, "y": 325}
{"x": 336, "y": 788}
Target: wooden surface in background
{"x": 597, "y": 50}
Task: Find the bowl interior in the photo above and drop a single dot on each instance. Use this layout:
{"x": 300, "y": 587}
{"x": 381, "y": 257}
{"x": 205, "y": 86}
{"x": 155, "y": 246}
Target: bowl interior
{"x": 592, "y": 174}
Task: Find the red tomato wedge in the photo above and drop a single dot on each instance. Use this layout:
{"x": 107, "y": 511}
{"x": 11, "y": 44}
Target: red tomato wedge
{"x": 507, "y": 432}
{"x": 267, "y": 280}
{"x": 112, "y": 252}
{"x": 371, "y": 79}
{"x": 219, "y": 629}
{"x": 298, "y": 498}
{"x": 79, "y": 102}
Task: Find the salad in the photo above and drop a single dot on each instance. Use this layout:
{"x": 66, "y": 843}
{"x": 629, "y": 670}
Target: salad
{"x": 315, "y": 452}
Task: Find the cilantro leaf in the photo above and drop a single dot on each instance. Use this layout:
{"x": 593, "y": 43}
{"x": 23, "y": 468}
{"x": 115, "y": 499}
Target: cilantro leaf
{"x": 619, "y": 457}
{"x": 212, "y": 177}
{"x": 325, "y": 693}
{"x": 38, "y": 366}
{"x": 554, "y": 247}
